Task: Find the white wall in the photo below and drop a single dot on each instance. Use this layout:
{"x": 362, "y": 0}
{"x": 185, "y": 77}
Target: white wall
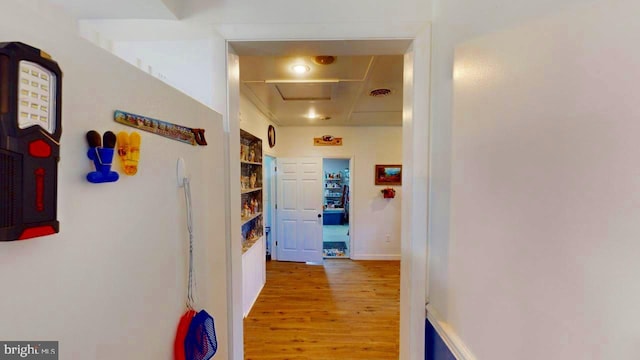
{"x": 112, "y": 283}
{"x": 372, "y": 216}
{"x": 256, "y": 123}
{"x": 186, "y": 65}
{"x": 188, "y": 57}
{"x": 453, "y": 22}
{"x": 543, "y": 245}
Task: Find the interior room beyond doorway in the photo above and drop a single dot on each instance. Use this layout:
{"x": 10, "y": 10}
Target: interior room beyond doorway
{"x": 358, "y": 99}
{"x": 336, "y": 209}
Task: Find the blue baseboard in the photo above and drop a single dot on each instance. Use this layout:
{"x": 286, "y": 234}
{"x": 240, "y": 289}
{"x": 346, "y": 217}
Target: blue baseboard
{"x": 435, "y": 348}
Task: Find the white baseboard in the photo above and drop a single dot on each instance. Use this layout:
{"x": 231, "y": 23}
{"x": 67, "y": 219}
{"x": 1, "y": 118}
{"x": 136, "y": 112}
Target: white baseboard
{"x": 254, "y": 301}
{"x": 450, "y": 338}
{"x": 375, "y": 257}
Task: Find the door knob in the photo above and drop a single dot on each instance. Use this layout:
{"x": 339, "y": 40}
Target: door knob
{"x": 319, "y": 216}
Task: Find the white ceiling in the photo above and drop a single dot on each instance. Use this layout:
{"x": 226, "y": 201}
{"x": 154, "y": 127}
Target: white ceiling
{"x": 259, "y": 19}
{"x": 339, "y": 91}
{"x": 253, "y": 11}
{"x": 121, "y": 9}
{"x": 301, "y": 12}
{"x": 362, "y": 65}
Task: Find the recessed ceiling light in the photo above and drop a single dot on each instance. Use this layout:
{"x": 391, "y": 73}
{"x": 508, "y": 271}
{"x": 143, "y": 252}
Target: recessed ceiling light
{"x": 300, "y": 69}
{"x": 312, "y": 114}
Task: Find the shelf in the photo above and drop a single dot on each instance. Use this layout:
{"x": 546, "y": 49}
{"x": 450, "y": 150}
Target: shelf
{"x": 253, "y": 270}
{"x": 332, "y": 179}
{"x": 246, "y": 220}
{"x": 246, "y": 191}
{"x": 250, "y": 163}
{"x": 333, "y": 196}
{"x": 249, "y": 137}
{"x": 246, "y": 246}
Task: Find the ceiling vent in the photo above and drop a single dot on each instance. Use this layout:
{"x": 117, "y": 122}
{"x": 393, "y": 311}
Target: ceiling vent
{"x": 380, "y": 92}
{"x": 325, "y": 60}
{"x": 325, "y": 118}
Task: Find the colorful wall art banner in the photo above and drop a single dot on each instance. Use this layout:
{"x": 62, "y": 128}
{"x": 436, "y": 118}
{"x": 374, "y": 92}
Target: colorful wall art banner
{"x": 327, "y": 140}
{"x": 163, "y": 128}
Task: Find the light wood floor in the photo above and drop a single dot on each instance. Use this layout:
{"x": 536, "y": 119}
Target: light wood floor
{"x": 342, "y": 310}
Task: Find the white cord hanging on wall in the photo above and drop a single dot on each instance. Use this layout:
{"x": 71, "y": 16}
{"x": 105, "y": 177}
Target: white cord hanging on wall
{"x": 181, "y": 172}
{"x": 184, "y": 182}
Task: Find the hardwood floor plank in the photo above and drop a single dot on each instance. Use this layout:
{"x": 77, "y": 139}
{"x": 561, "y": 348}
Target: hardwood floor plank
{"x": 342, "y": 310}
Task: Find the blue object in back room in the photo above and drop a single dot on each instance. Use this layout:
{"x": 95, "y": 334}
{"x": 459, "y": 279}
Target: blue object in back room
{"x": 333, "y": 216}
{"x": 435, "y": 348}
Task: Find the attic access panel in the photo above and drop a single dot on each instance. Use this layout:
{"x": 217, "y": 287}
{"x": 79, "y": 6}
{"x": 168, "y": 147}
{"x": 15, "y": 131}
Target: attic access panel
{"x": 304, "y": 92}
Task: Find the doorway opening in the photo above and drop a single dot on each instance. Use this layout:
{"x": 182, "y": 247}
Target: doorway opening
{"x": 415, "y": 143}
{"x": 269, "y": 184}
{"x": 336, "y": 208}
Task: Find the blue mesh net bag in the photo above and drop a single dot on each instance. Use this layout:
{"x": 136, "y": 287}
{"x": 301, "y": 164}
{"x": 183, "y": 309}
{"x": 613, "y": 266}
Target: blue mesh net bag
{"x": 201, "y": 342}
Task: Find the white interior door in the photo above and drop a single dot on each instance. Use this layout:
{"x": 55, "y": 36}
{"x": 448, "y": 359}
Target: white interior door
{"x": 299, "y": 209}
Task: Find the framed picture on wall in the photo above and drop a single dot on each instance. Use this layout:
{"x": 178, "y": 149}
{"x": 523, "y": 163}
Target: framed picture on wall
{"x": 388, "y": 174}
{"x": 271, "y": 136}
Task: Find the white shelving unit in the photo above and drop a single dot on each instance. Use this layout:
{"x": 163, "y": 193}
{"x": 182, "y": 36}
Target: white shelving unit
{"x": 246, "y": 191}
{"x": 251, "y": 220}
{"x": 332, "y": 189}
{"x": 253, "y": 274}
{"x": 246, "y": 220}
{"x": 250, "y": 162}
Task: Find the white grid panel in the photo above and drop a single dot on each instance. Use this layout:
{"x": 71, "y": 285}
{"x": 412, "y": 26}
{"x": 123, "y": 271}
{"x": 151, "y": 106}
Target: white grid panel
{"x": 36, "y": 97}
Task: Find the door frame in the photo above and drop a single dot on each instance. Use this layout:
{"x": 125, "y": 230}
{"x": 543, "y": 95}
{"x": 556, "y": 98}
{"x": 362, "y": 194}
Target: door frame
{"x": 415, "y": 153}
{"x": 351, "y": 159}
{"x": 273, "y": 193}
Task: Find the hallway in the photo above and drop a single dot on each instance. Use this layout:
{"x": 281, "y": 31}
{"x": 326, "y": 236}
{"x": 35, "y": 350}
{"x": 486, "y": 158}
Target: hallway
{"x": 342, "y": 310}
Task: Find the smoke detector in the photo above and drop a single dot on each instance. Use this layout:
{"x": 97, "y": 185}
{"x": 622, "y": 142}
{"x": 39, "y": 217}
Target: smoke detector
{"x": 325, "y": 60}
{"x": 380, "y": 92}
